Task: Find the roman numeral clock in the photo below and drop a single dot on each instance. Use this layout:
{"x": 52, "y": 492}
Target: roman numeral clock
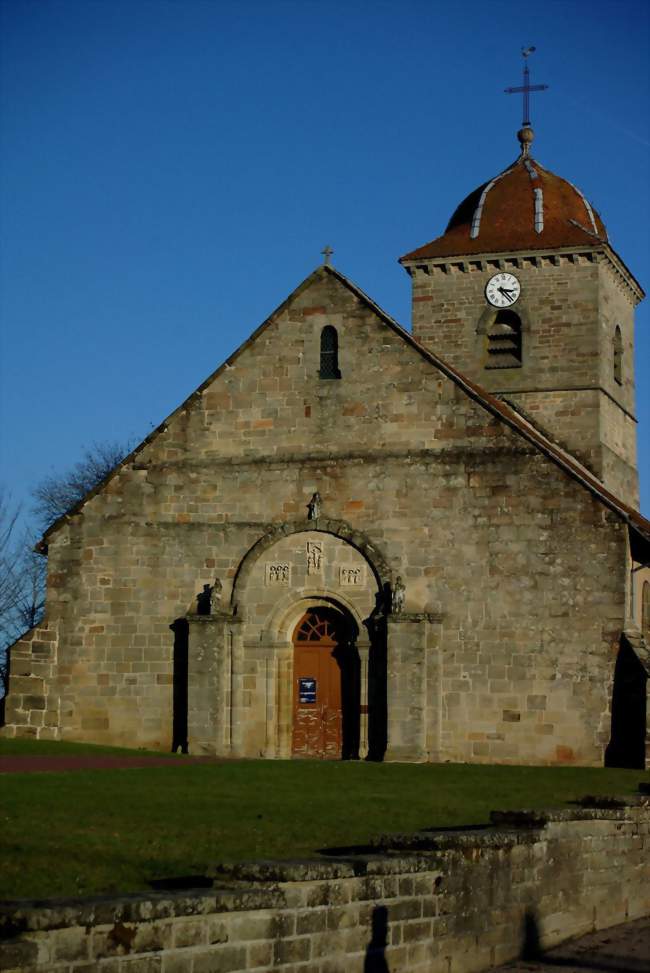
{"x": 502, "y": 290}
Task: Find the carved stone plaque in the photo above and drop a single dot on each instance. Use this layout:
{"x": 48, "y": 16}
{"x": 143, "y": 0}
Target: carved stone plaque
{"x": 278, "y": 573}
{"x": 314, "y": 557}
{"x": 352, "y": 577}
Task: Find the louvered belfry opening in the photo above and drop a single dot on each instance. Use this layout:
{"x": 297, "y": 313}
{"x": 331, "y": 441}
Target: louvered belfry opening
{"x": 504, "y": 341}
{"x": 329, "y": 353}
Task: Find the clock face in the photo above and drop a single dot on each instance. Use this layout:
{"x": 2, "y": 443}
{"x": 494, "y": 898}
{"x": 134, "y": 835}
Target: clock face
{"x": 502, "y": 290}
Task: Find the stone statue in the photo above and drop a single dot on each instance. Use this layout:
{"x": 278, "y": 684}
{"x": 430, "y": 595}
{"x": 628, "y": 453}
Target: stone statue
{"x": 313, "y": 507}
{"x": 398, "y": 595}
{"x": 204, "y": 601}
{"x": 209, "y": 600}
{"x": 215, "y": 595}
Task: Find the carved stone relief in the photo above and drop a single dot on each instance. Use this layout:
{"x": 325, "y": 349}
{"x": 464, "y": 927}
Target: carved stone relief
{"x": 314, "y": 557}
{"x": 278, "y": 573}
{"x": 350, "y": 577}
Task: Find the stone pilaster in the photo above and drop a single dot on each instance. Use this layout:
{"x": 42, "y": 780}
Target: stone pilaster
{"x": 413, "y": 701}
{"x": 210, "y": 676}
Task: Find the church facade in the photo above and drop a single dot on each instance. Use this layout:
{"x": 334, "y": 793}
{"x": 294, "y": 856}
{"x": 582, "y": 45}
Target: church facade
{"x": 355, "y": 541}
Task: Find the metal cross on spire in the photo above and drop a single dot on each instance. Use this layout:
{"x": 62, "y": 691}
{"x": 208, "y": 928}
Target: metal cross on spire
{"x": 327, "y": 253}
{"x": 527, "y": 87}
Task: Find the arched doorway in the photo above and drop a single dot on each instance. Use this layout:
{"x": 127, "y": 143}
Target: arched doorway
{"x": 325, "y": 685}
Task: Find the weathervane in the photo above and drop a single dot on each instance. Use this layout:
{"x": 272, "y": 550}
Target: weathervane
{"x": 527, "y": 87}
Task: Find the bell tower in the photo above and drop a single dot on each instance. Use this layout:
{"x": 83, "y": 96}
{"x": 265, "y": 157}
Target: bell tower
{"x": 525, "y": 295}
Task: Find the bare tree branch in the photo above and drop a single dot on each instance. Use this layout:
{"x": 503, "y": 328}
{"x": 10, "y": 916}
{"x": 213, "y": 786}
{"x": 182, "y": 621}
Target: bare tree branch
{"x": 8, "y": 517}
{"x": 58, "y": 493}
{"x": 11, "y": 592}
{"x": 23, "y": 571}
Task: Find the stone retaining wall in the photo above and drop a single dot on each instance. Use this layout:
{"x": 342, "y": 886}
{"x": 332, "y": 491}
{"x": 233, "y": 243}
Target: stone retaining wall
{"x": 437, "y": 901}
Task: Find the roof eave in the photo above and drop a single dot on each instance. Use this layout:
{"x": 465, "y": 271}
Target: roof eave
{"x": 409, "y": 262}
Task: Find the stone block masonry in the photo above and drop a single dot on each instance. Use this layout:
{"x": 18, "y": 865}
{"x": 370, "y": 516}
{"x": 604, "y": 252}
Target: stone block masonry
{"x": 435, "y": 901}
{"x": 570, "y": 306}
{"x": 515, "y": 577}
{"x": 516, "y": 568}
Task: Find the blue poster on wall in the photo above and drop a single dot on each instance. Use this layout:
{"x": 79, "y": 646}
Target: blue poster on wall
{"x": 307, "y": 690}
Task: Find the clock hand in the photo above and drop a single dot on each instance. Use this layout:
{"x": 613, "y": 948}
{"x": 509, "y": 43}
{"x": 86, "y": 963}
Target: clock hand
{"x": 507, "y": 292}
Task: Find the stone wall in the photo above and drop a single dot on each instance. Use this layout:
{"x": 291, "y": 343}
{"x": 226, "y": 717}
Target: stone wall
{"x": 432, "y": 902}
{"x": 33, "y": 707}
{"x": 515, "y": 574}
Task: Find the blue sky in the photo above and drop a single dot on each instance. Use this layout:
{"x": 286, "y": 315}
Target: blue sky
{"x": 173, "y": 168}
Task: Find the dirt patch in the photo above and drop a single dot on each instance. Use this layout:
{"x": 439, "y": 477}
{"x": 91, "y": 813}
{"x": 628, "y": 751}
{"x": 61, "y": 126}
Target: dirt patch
{"x": 55, "y": 764}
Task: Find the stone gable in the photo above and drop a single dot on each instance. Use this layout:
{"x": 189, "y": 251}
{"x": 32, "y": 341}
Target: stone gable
{"x": 502, "y": 648}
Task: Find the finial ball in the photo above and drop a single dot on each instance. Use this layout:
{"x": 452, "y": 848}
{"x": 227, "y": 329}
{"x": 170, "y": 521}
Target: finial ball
{"x": 525, "y": 135}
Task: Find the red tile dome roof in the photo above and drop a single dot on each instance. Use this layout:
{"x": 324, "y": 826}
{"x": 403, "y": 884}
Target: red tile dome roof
{"x": 525, "y": 207}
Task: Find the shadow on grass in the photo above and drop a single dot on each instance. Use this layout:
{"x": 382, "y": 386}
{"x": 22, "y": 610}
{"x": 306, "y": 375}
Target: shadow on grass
{"x": 382, "y": 844}
{"x": 181, "y": 883}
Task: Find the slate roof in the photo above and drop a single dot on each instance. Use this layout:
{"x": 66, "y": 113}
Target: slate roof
{"x": 496, "y": 406}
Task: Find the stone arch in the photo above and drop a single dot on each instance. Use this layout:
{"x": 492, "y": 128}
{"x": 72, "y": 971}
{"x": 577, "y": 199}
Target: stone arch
{"x": 329, "y": 353}
{"x": 501, "y": 336}
{"x": 489, "y": 316}
{"x": 338, "y": 528}
{"x": 291, "y": 569}
{"x": 288, "y": 610}
{"x": 327, "y": 665}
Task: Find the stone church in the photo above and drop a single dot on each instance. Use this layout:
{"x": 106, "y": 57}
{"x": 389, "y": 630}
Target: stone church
{"x": 358, "y": 541}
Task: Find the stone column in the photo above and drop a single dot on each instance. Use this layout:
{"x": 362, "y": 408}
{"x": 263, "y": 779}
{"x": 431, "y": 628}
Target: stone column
{"x": 237, "y": 711}
{"x": 270, "y": 700}
{"x": 364, "y": 650}
{"x": 284, "y": 699}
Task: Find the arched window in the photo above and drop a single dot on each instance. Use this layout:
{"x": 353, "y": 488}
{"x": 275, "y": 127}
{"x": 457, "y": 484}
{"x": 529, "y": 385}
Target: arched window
{"x": 618, "y": 356}
{"x": 329, "y": 353}
{"x": 645, "y": 611}
{"x": 503, "y": 340}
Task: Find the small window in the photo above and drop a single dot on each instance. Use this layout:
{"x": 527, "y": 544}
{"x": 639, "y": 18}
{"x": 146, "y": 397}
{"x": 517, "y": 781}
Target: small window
{"x": 618, "y": 356}
{"x": 329, "y": 353}
{"x": 504, "y": 341}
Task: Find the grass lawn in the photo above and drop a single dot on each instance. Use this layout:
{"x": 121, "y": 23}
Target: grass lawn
{"x": 92, "y": 832}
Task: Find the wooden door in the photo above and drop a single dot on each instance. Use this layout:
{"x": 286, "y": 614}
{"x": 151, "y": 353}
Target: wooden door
{"x": 317, "y": 710}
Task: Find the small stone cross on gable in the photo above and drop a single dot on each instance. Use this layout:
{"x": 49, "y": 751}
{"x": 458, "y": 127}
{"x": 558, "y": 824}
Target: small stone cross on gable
{"x": 327, "y": 253}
